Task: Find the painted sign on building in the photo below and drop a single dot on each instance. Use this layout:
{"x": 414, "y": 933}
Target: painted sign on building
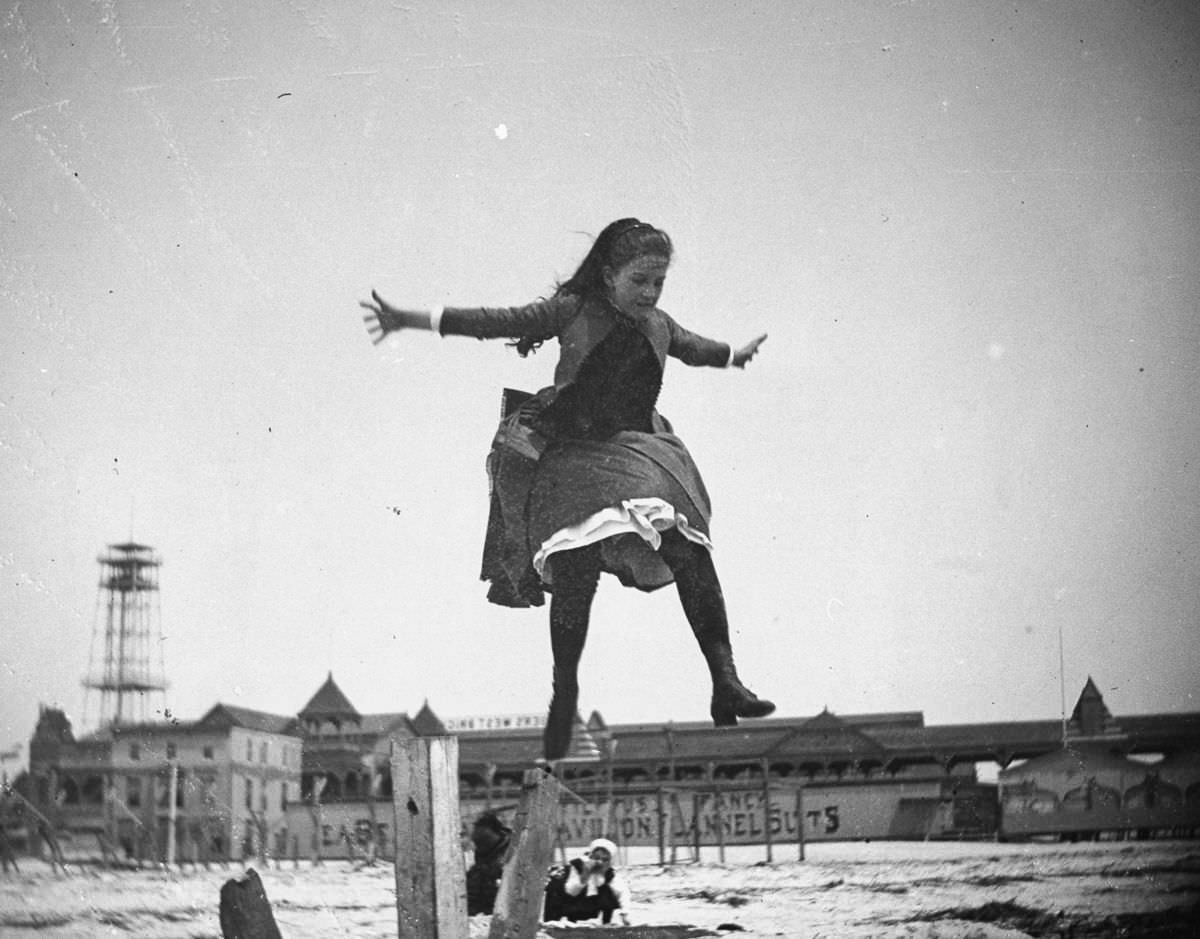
{"x": 749, "y": 816}
{"x": 494, "y": 722}
{"x": 686, "y": 817}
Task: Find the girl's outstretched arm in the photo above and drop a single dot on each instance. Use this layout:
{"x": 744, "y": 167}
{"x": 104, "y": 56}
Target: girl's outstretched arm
{"x": 383, "y": 318}
{"x": 747, "y": 352}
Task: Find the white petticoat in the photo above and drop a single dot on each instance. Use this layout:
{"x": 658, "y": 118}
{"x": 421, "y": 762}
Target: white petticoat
{"x": 645, "y": 518}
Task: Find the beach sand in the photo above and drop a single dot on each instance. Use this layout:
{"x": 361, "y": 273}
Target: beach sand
{"x": 888, "y": 889}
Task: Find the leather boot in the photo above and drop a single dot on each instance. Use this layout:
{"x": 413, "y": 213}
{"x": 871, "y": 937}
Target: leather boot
{"x": 704, "y": 605}
{"x": 731, "y": 699}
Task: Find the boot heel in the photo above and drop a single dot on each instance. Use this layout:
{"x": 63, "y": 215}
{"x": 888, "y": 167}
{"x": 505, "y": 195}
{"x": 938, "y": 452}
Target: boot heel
{"x": 730, "y": 704}
{"x": 724, "y": 714}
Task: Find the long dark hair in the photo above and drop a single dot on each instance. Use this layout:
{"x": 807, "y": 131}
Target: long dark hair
{"x": 619, "y": 243}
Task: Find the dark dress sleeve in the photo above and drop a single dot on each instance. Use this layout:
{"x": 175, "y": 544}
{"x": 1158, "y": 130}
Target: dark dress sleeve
{"x": 540, "y": 320}
{"x": 694, "y": 349}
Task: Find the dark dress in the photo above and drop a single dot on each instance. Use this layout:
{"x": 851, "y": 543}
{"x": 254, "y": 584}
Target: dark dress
{"x": 557, "y": 904}
{"x": 592, "y": 461}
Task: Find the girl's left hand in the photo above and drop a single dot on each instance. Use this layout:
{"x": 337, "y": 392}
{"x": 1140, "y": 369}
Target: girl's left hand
{"x": 747, "y": 352}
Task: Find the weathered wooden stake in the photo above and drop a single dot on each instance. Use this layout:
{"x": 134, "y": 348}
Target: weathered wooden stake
{"x": 431, "y": 883}
{"x": 245, "y": 910}
{"x": 522, "y": 888}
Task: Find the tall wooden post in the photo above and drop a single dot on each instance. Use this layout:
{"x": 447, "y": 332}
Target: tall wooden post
{"x": 431, "y": 887}
{"x": 800, "y": 821}
{"x": 718, "y": 803}
{"x": 662, "y": 836}
{"x": 172, "y": 814}
{"x": 766, "y": 774}
{"x": 522, "y": 888}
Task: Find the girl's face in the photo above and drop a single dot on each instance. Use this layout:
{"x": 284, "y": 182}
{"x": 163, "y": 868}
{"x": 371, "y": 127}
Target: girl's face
{"x": 635, "y": 288}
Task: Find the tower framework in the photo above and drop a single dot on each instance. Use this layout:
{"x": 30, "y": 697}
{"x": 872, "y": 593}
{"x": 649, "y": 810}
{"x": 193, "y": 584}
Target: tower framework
{"x": 128, "y": 611}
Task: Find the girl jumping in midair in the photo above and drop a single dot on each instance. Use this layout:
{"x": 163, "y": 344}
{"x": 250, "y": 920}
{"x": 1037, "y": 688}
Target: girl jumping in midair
{"x": 587, "y": 477}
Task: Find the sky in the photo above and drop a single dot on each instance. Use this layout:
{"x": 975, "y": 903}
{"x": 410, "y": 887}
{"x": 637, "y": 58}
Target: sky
{"x": 970, "y": 231}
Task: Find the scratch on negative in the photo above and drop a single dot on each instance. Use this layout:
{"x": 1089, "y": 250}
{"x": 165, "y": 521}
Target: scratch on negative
{"x": 41, "y": 107}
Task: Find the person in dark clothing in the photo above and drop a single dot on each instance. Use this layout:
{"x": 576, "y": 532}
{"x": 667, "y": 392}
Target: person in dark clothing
{"x": 491, "y": 838}
{"x": 587, "y": 887}
{"x": 587, "y": 477}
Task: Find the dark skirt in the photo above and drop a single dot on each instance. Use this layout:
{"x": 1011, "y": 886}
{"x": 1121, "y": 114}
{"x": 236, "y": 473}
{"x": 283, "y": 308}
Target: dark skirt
{"x": 554, "y": 495}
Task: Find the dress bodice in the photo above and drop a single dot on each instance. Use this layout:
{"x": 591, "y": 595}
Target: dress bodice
{"x": 616, "y": 389}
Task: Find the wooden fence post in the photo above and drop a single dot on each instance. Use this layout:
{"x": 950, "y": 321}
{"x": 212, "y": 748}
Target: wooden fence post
{"x": 522, "y": 888}
{"x": 662, "y": 837}
{"x": 431, "y": 886}
{"x": 800, "y": 821}
{"x": 766, "y": 775}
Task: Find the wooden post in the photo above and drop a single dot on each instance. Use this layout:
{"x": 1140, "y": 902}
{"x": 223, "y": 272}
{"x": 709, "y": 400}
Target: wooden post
{"x": 766, "y": 771}
{"x": 800, "y": 821}
{"x": 245, "y": 910}
{"x": 662, "y": 835}
{"x": 718, "y": 803}
{"x": 172, "y": 814}
{"x": 489, "y": 780}
{"x": 522, "y": 888}
{"x": 676, "y": 816}
{"x": 697, "y": 804}
{"x": 431, "y": 886}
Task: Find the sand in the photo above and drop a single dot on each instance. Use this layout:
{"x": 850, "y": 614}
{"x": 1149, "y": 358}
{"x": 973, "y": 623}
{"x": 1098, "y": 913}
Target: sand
{"x": 890, "y": 889}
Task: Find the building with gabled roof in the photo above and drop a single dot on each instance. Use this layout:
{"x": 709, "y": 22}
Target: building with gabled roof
{"x": 321, "y": 777}
{"x": 231, "y": 773}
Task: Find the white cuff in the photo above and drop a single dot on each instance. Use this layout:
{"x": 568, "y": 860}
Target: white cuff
{"x": 435, "y": 318}
{"x": 729, "y": 361}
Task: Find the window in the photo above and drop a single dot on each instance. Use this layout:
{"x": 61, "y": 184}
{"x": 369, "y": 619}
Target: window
{"x": 133, "y": 792}
{"x": 263, "y": 750}
{"x": 208, "y": 753}
{"x": 93, "y": 790}
{"x": 249, "y": 793}
{"x": 283, "y": 797}
{"x": 249, "y": 750}
{"x": 171, "y": 751}
{"x": 135, "y": 751}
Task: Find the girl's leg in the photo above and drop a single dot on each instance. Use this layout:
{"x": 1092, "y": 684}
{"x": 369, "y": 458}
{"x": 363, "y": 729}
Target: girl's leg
{"x": 704, "y": 605}
{"x": 574, "y": 575}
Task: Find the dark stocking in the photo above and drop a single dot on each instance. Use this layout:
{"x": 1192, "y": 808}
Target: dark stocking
{"x": 704, "y": 605}
{"x": 574, "y": 576}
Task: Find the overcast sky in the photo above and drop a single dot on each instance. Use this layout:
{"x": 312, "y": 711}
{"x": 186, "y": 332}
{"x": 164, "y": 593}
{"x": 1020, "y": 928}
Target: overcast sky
{"x": 970, "y": 229}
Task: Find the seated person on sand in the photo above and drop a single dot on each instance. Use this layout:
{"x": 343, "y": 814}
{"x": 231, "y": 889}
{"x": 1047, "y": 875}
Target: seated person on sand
{"x": 588, "y": 887}
{"x": 490, "y": 837}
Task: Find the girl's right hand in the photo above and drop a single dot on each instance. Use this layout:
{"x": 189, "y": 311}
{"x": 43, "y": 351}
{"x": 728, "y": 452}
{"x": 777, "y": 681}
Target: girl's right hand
{"x": 383, "y": 318}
